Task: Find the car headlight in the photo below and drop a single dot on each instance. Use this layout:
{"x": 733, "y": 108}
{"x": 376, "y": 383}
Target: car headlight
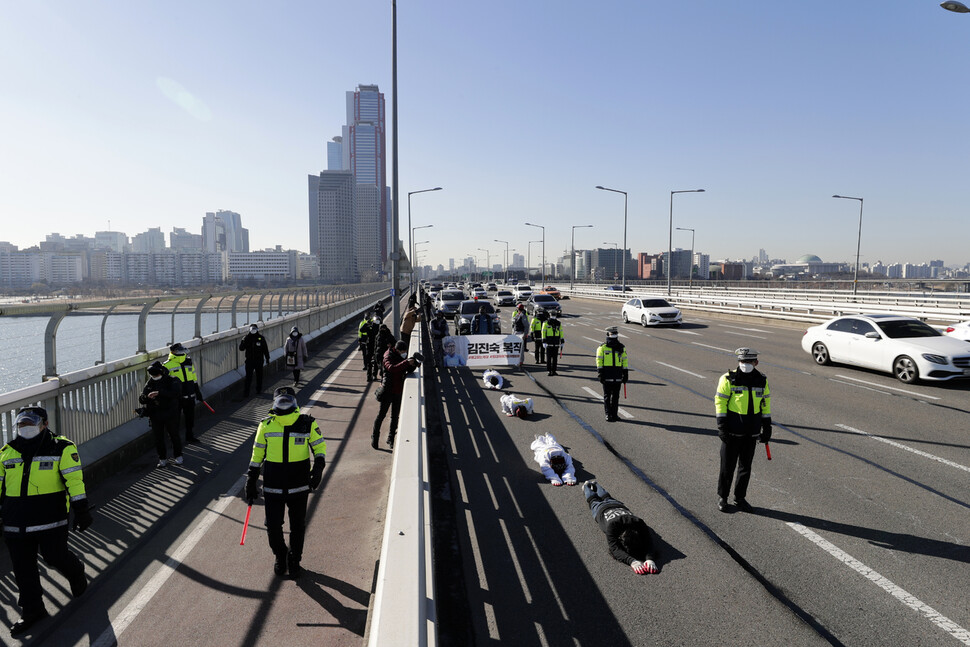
{"x": 935, "y": 359}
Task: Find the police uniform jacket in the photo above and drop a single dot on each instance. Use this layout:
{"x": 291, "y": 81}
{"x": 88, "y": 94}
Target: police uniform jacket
{"x": 742, "y": 404}
{"x": 181, "y": 368}
{"x": 611, "y": 362}
{"x": 39, "y": 479}
{"x": 552, "y": 332}
{"x": 536, "y": 328}
{"x": 282, "y": 448}
{"x": 257, "y": 352}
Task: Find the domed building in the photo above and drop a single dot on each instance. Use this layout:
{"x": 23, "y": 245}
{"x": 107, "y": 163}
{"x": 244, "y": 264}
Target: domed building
{"x": 808, "y": 265}
{"x": 808, "y": 258}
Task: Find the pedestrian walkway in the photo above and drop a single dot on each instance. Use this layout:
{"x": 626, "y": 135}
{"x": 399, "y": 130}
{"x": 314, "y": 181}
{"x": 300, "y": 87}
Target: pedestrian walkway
{"x": 164, "y": 555}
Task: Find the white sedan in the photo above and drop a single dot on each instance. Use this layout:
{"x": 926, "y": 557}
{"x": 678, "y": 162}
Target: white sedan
{"x": 650, "y": 312}
{"x": 903, "y": 346}
{"x": 959, "y": 330}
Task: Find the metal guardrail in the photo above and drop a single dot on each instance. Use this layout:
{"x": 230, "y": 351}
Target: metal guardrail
{"x": 809, "y": 306}
{"x": 96, "y": 400}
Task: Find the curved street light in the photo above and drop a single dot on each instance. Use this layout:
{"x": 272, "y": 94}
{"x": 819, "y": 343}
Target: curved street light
{"x": 543, "y": 250}
{"x": 603, "y": 188}
{"x": 506, "y": 257}
{"x": 858, "y": 245}
{"x": 668, "y": 270}
{"x": 528, "y": 269}
{"x": 955, "y": 7}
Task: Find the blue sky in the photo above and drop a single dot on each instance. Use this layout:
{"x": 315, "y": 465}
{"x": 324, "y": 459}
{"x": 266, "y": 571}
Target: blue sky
{"x": 148, "y": 114}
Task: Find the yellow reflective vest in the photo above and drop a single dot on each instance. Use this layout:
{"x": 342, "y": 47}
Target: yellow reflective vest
{"x": 39, "y": 487}
{"x": 552, "y": 332}
{"x": 611, "y": 362}
{"x": 182, "y": 368}
{"x": 743, "y": 401}
{"x": 283, "y": 447}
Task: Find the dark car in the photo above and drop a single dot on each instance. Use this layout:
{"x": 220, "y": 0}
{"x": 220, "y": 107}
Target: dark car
{"x": 468, "y": 309}
{"x": 618, "y": 288}
{"x": 543, "y": 302}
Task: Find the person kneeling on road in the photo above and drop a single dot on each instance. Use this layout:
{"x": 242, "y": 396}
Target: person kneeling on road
{"x": 513, "y": 405}
{"x": 284, "y": 442}
{"x": 556, "y": 464}
{"x": 493, "y": 379}
{"x": 627, "y": 535}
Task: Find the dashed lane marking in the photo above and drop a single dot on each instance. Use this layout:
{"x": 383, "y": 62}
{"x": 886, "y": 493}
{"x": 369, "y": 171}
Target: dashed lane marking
{"x": 623, "y": 412}
{"x": 682, "y": 370}
{"x": 906, "y": 447}
{"x": 697, "y": 343}
{"x": 742, "y": 334}
{"x": 891, "y": 388}
{"x": 897, "y": 592}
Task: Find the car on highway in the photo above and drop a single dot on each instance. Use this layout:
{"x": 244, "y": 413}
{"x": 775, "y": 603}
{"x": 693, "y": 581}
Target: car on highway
{"x": 504, "y": 298}
{"x": 478, "y": 293}
{"x": 543, "y": 302}
{"x": 903, "y": 346}
{"x": 470, "y": 308}
{"x": 650, "y": 311}
{"x": 618, "y": 288}
{"x": 959, "y": 330}
{"x": 491, "y": 287}
{"x": 522, "y": 292}
{"x": 551, "y": 291}
{"x": 449, "y": 300}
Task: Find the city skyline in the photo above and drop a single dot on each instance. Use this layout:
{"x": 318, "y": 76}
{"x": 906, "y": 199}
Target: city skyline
{"x": 772, "y": 109}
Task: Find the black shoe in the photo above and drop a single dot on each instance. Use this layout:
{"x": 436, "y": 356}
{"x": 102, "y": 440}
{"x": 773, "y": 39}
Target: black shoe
{"x": 743, "y": 505}
{"x": 191, "y": 440}
{"x": 373, "y": 440}
{"x": 80, "y": 585}
{"x": 27, "y": 621}
{"x": 722, "y": 504}
{"x": 294, "y": 565}
{"x": 390, "y": 441}
{"x": 280, "y": 566}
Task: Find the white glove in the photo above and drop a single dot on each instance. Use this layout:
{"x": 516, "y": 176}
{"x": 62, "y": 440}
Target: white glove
{"x": 569, "y": 480}
{"x": 651, "y": 566}
{"x": 545, "y": 345}
{"x": 556, "y": 482}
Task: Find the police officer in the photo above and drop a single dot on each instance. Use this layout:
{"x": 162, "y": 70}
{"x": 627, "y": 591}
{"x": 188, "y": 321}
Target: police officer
{"x": 257, "y": 354}
{"x": 363, "y": 331}
{"x": 742, "y": 406}
{"x": 284, "y": 443}
{"x": 161, "y": 395}
{"x": 40, "y": 480}
{"x": 180, "y": 367}
{"x": 538, "y": 318}
{"x": 613, "y": 370}
{"x": 552, "y": 340}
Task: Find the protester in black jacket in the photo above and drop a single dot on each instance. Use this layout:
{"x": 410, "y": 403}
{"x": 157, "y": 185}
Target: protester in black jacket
{"x": 627, "y": 535}
{"x": 161, "y": 397}
{"x": 257, "y": 354}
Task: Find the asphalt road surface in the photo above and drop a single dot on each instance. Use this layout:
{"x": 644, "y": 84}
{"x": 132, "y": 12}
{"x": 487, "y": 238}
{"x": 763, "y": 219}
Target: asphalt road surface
{"x": 860, "y": 531}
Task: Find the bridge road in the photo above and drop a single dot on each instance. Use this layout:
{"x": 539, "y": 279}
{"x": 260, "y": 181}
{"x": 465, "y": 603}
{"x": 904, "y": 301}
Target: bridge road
{"x": 857, "y": 539}
{"x": 163, "y": 554}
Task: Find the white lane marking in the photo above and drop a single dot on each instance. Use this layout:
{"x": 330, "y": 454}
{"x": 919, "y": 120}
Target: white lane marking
{"x": 620, "y": 410}
{"x": 130, "y": 612}
{"x": 595, "y": 341}
{"x": 697, "y": 343}
{"x": 685, "y": 332}
{"x": 677, "y": 368}
{"x": 741, "y": 334}
{"x": 918, "y": 452}
{"x": 743, "y": 328}
{"x": 900, "y": 594}
{"x": 891, "y": 388}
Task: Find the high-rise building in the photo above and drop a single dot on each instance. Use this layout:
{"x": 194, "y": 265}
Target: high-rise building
{"x": 179, "y": 239}
{"x": 214, "y": 234}
{"x": 364, "y": 147}
{"x": 335, "y": 154}
{"x": 116, "y": 241}
{"x": 236, "y": 237}
{"x": 152, "y": 240}
{"x": 333, "y": 227}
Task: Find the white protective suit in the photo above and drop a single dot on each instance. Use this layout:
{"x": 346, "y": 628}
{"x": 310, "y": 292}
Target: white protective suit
{"x": 545, "y": 447}
{"x": 490, "y": 373}
{"x": 510, "y": 402}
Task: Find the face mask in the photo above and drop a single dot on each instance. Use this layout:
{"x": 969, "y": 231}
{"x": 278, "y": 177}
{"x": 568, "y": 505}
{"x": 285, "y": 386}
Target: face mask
{"x": 294, "y": 335}
{"x": 154, "y": 377}
{"x": 28, "y": 431}
{"x": 746, "y": 367}
{"x": 254, "y": 330}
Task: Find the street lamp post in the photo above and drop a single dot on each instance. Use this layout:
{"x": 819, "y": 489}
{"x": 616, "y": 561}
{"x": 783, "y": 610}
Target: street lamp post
{"x": 543, "y": 272}
{"x": 858, "y": 246}
{"x": 506, "y": 257}
{"x": 572, "y": 259}
{"x": 955, "y": 7}
{"x": 603, "y": 188}
{"x": 488, "y": 261}
{"x": 528, "y": 262}
{"x": 411, "y": 240}
{"x": 411, "y": 235}
{"x": 615, "y": 254}
{"x": 690, "y": 280}
{"x": 670, "y": 236}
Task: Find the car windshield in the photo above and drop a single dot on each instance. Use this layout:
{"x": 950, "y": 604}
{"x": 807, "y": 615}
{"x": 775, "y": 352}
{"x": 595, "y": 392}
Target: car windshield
{"x": 471, "y": 307}
{"x": 655, "y": 303}
{"x": 504, "y": 293}
{"x": 543, "y": 298}
{"x": 906, "y": 328}
{"x": 452, "y": 296}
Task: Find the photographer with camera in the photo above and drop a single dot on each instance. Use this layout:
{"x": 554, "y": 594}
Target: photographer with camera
{"x": 396, "y": 368}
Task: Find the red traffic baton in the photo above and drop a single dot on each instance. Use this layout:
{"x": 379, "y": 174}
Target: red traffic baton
{"x": 211, "y": 410}
{"x": 624, "y": 390}
{"x": 768, "y": 451}
{"x": 242, "y": 541}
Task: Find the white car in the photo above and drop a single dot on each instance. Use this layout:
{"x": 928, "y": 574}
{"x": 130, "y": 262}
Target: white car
{"x": 650, "y": 311}
{"x": 959, "y": 330}
{"x": 903, "y": 346}
{"x": 504, "y": 298}
{"x": 522, "y": 292}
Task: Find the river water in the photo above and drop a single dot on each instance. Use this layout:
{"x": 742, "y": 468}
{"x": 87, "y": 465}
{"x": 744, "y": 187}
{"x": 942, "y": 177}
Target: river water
{"x": 79, "y": 341}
